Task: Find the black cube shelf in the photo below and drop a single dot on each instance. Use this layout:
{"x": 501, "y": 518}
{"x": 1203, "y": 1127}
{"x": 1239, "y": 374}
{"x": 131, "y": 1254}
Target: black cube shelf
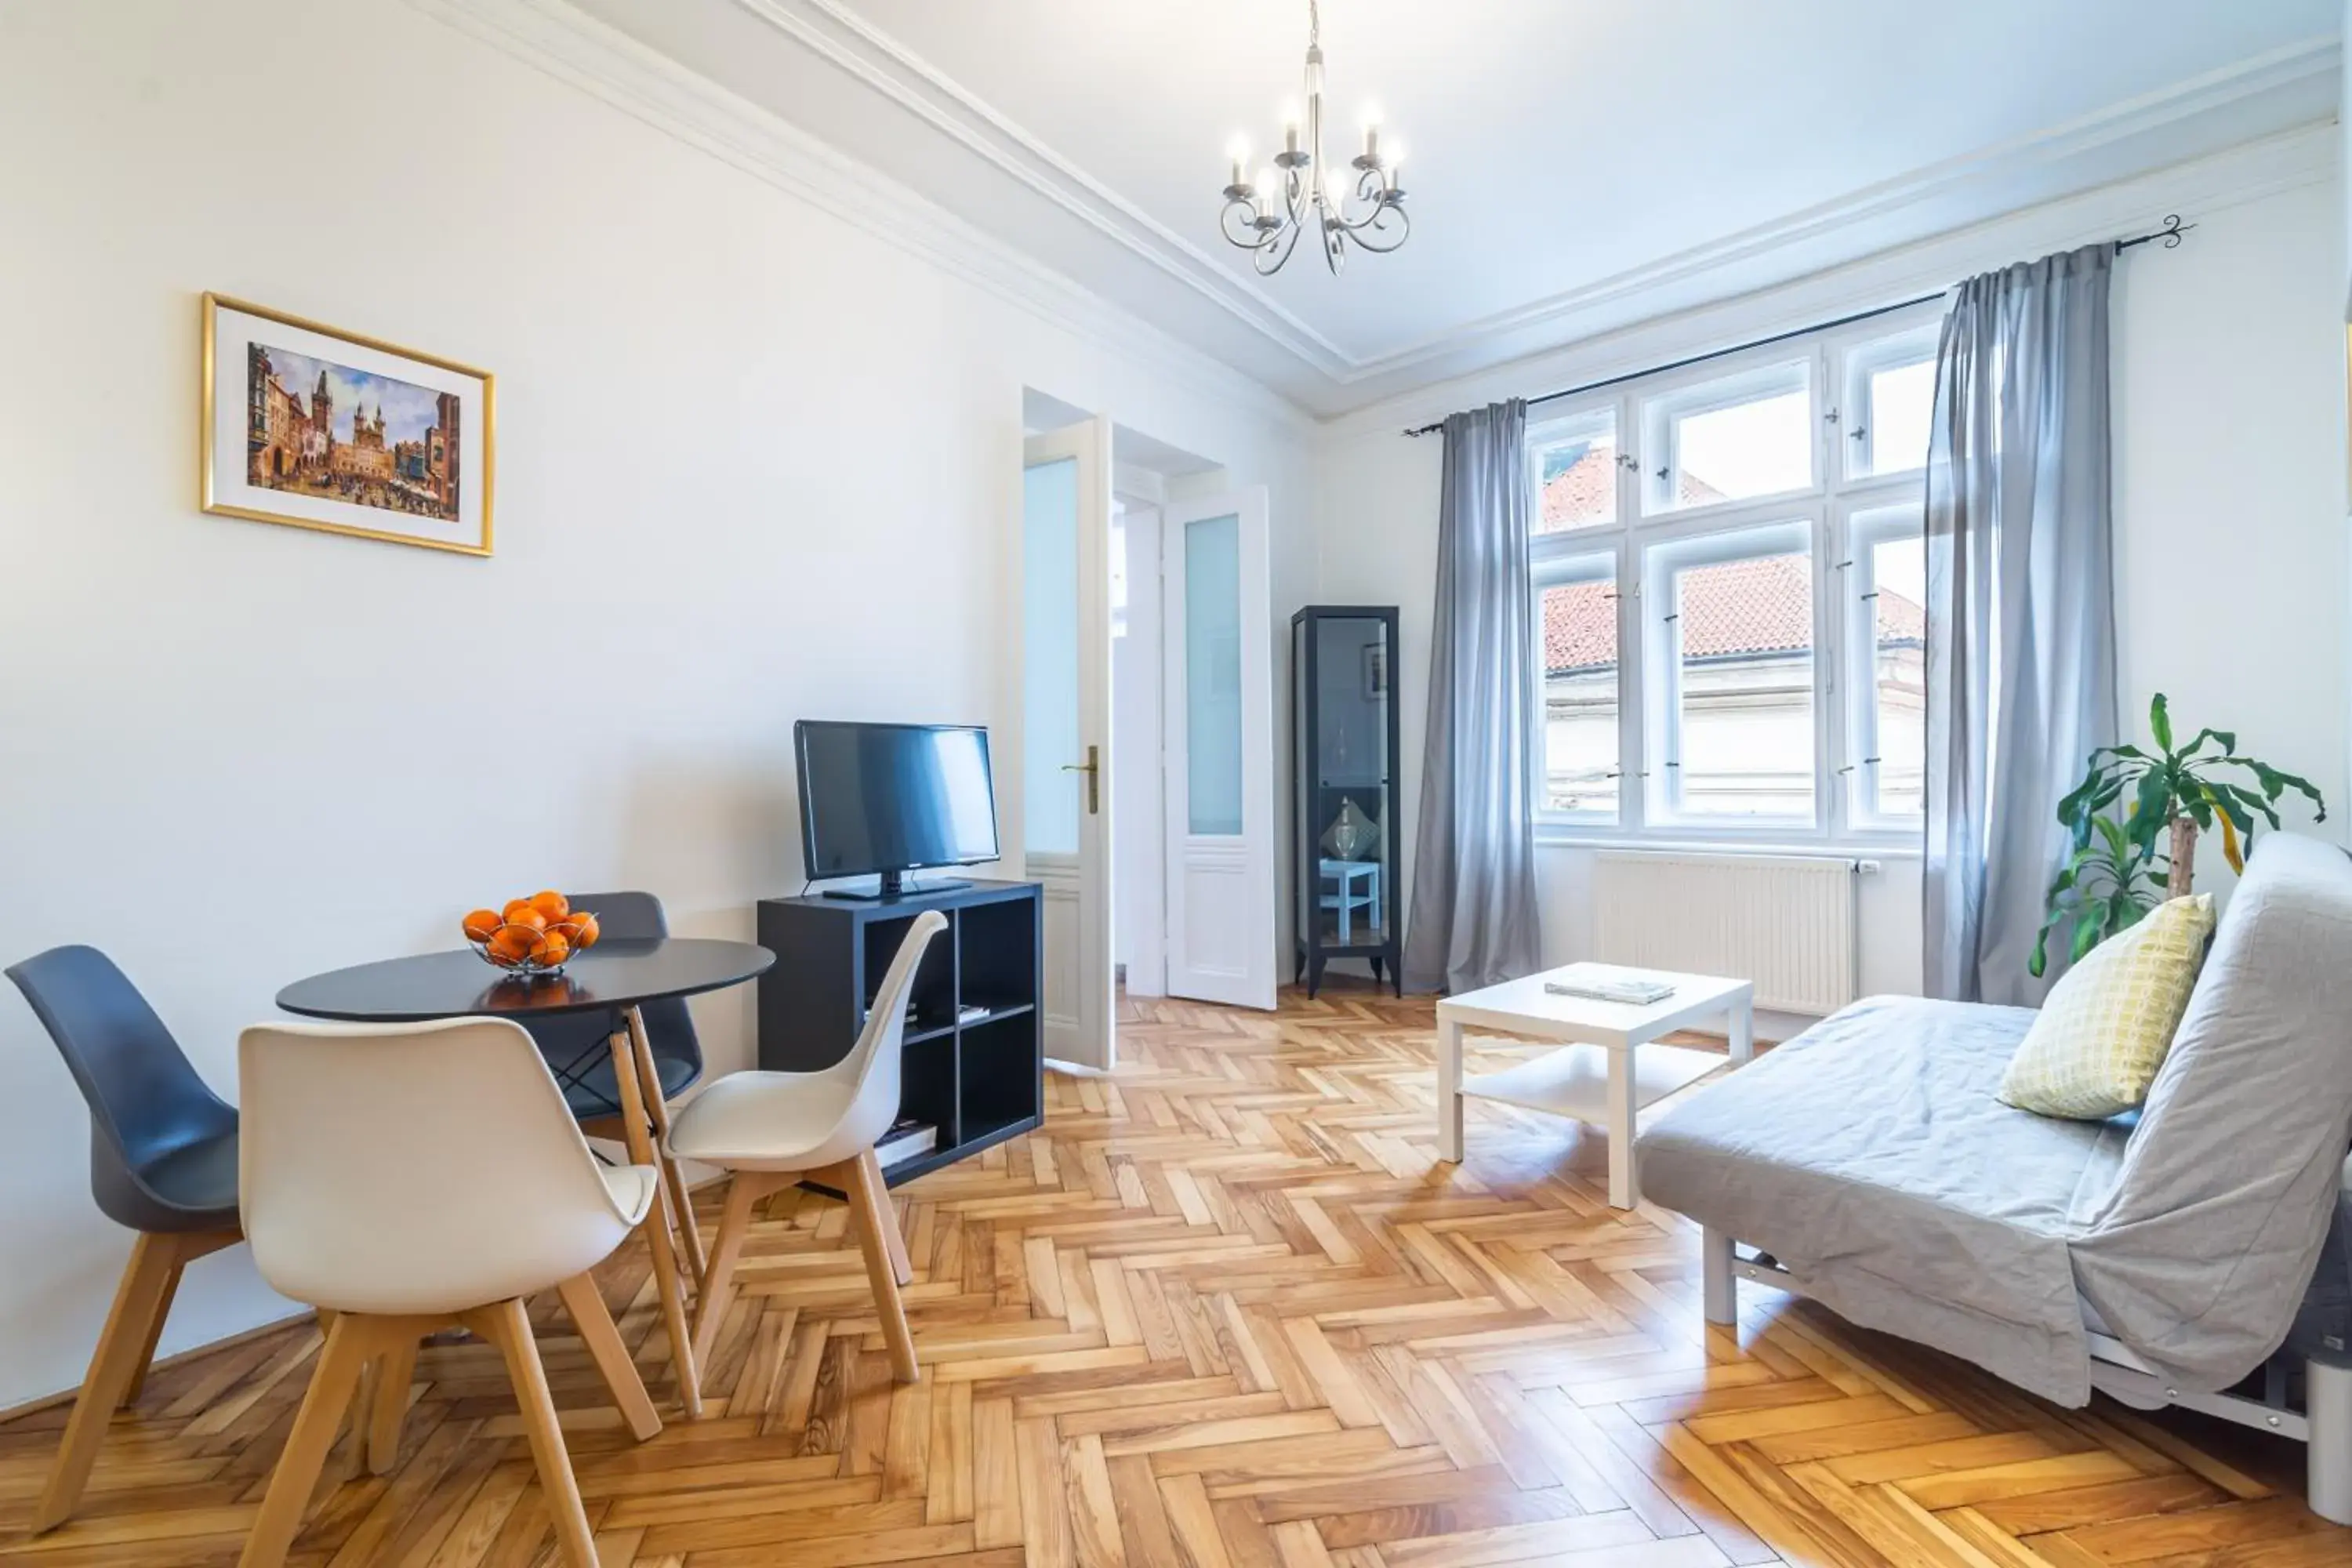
{"x": 980, "y": 1080}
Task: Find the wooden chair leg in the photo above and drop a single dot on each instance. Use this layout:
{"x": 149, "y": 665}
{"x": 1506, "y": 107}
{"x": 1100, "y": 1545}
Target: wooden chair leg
{"x": 597, "y": 1332}
{"x": 672, "y": 1179}
{"x": 656, "y": 1232}
{"x": 870, "y": 1207}
{"x": 389, "y": 1408}
{"x": 744, "y": 1191}
{"x": 507, "y": 1326}
{"x": 350, "y": 1342}
{"x": 139, "y": 1301}
{"x": 900, "y": 1266}
{"x": 138, "y": 1384}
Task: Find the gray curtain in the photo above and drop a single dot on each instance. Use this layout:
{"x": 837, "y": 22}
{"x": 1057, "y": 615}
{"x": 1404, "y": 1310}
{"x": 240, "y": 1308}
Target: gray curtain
{"x": 2020, "y": 607}
{"x": 1474, "y": 876}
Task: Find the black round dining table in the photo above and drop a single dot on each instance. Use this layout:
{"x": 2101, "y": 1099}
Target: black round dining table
{"x": 615, "y": 973}
{"x": 618, "y": 975}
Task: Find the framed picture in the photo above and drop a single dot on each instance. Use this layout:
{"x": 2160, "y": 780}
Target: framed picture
{"x": 1376, "y": 671}
{"x": 319, "y": 428}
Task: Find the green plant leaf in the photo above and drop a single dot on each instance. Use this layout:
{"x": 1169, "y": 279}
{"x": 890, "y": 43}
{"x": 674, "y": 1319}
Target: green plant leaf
{"x": 2159, "y": 722}
{"x": 2041, "y": 959}
{"x": 2228, "y": 739}
{"x": 2090, "y": 929}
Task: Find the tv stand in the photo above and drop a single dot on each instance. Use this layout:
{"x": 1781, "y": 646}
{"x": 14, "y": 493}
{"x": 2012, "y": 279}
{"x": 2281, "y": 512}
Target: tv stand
{"x": 972, "y": 1059}
{"x": 894, "y": 887}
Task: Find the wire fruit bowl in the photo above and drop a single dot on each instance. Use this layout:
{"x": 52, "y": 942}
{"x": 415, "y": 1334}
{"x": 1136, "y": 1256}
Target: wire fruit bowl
{"x": 533, "y": 937}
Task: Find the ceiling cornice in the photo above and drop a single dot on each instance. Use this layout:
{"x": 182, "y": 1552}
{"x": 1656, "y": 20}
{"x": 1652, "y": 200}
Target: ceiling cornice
{"x": 2201, "y": 190}
{"x": 834, "y": 32}
{"x": 576, "y": 48}
{"x": 1731, "y": 265}
{"x": 2214, "y": 92}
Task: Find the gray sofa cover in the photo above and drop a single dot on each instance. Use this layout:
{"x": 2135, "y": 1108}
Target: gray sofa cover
{"x": 1871, "y": 1157}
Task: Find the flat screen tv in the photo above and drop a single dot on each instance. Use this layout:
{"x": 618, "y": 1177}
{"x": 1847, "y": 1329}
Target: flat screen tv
{"x": 887, "y": 799}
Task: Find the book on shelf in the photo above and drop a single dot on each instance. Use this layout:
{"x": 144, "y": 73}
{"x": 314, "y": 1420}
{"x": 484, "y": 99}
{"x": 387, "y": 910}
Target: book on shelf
{"x": 906, "y": 1139}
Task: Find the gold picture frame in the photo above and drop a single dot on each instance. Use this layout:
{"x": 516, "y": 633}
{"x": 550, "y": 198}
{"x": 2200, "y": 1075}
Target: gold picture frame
{"x": 389, "y": 478}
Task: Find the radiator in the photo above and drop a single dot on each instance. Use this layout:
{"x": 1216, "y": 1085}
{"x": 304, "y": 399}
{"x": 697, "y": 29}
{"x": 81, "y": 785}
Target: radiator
{"x": 1787, "y": 923}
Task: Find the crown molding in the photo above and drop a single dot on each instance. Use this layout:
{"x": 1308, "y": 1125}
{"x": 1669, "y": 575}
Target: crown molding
{"x": 1728, "y": 266}
{"x": 2213, "y": 93}
{"x": 2198, "y": 189}
{"x": 575, "y": 49}
{"x": 831, "y": 30}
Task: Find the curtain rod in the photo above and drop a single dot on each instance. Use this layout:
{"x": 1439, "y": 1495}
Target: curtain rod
{"x": 2170, "y": 233}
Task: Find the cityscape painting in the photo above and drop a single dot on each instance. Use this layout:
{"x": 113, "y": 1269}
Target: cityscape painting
{"x": 323, "y": 429}
{"x": 315, "y": 427}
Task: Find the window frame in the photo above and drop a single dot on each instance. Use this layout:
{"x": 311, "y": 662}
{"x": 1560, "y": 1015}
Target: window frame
{"x": 1598, "y": 562}
{"x": 1838, "y": 358}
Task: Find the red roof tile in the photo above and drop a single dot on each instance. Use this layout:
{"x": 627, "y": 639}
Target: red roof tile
{"x": 1761, "y": 605}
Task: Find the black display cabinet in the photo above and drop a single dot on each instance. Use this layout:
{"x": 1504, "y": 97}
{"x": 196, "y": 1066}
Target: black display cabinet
{"x": 974, "y": 1054}
{"x": 1343, "y": 822}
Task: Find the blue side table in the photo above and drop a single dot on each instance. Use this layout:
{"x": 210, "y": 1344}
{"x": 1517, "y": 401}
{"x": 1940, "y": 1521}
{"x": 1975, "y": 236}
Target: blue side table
{"x": 1348, "y": 874}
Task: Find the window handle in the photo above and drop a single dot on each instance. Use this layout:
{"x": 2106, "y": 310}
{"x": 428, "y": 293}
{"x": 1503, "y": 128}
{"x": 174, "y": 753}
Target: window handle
{"x": 1858, "y": 433}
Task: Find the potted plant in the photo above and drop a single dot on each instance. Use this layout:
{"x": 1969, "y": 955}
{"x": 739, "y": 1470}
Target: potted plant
{"x": 2168, "y": 795}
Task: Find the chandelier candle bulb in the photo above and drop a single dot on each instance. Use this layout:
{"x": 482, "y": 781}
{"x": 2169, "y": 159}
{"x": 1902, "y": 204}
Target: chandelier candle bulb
{"x": 1368, "y": 211}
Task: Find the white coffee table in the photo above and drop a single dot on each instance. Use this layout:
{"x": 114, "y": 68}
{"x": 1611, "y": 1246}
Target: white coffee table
{"x": 1607, "y": 1068}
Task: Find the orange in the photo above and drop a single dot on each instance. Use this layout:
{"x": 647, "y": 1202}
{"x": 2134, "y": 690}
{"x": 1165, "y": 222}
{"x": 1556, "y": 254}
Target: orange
{"x": 524, "y": 915}
{"x": 481, "y": 924}
{"x": 511, "y": 944}
{"x": 549, "y": 949}
{"x": 552, "y": 904}
{"x": 584, "y": 931}
{"x": 513, "y": 905}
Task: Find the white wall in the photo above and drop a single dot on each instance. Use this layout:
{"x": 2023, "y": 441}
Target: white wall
{"x": 2227, "y": 365}
{"x": 753, "y": 465}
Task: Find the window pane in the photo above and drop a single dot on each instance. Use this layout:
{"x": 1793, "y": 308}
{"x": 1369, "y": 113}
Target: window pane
{"x": 1899, "y": 572}
{"x": 1575, "y": 471}
{"x": 1743, "y": 641}
{"x": 1212, "y": 674}
{"x": 1896, "y": 404}
{"x": 1746, "y": 436}
{"x": 1579, "y": 697}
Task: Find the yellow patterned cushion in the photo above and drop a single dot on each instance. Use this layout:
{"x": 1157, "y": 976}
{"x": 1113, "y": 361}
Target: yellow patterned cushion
{"x": 2104, "y": 1028}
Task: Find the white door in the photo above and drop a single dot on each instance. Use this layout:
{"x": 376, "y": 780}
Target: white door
{"x": 1066, "y": 726}
{"x": 1218, "y": 719}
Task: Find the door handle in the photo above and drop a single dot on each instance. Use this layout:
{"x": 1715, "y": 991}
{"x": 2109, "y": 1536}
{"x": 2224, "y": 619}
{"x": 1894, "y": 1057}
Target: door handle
{"x": 1092, "y": 768}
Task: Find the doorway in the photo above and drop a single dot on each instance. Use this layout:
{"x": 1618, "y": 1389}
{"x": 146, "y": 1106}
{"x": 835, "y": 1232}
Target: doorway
{"x": 1144, "y": 686}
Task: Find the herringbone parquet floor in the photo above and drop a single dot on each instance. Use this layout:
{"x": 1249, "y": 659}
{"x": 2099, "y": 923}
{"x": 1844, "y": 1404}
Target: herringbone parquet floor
{"x": 1225, "y": 1310}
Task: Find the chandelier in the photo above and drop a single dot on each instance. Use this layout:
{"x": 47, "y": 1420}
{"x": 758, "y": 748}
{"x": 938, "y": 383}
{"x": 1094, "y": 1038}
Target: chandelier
{"x": 1268, "y": 223}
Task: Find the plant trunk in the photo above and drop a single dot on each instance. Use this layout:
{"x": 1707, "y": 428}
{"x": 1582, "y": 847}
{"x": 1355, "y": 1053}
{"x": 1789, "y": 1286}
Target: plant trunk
{"x": 2184, "y": 858}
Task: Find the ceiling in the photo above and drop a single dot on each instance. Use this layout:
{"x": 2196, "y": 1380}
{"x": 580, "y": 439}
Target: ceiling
{"x": 1575, "y": 165}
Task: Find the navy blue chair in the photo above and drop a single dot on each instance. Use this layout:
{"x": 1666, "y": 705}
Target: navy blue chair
{"x": 163, "y": 1163}
{"x": 579, "y": 1052}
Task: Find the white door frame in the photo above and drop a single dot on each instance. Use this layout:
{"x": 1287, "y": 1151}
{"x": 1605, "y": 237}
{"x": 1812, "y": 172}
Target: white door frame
{"x": 1220, "y": 911}
{"x": 1078, "y": 887}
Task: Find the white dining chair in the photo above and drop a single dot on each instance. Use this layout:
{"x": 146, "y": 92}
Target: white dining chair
{"x": 401, "y": 1178}
{"x": 771, "y": 1129}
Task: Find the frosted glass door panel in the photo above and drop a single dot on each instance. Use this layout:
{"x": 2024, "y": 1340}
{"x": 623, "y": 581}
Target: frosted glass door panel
{"x": 1213, "y": 675}
{"x": 1049, "y": 618}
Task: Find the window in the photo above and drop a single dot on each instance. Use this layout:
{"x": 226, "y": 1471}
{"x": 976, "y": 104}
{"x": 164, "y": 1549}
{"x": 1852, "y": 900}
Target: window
{"x": 1575, "y": 465}
{"x": 1730, "y": 440}
{"x": 1575, "y": 623}
{"x": 1890, "y": 397}
{"x": 1729, "y": 586}
{"x": 1889, "y": 639}
{"x": 1734, "y": 657}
